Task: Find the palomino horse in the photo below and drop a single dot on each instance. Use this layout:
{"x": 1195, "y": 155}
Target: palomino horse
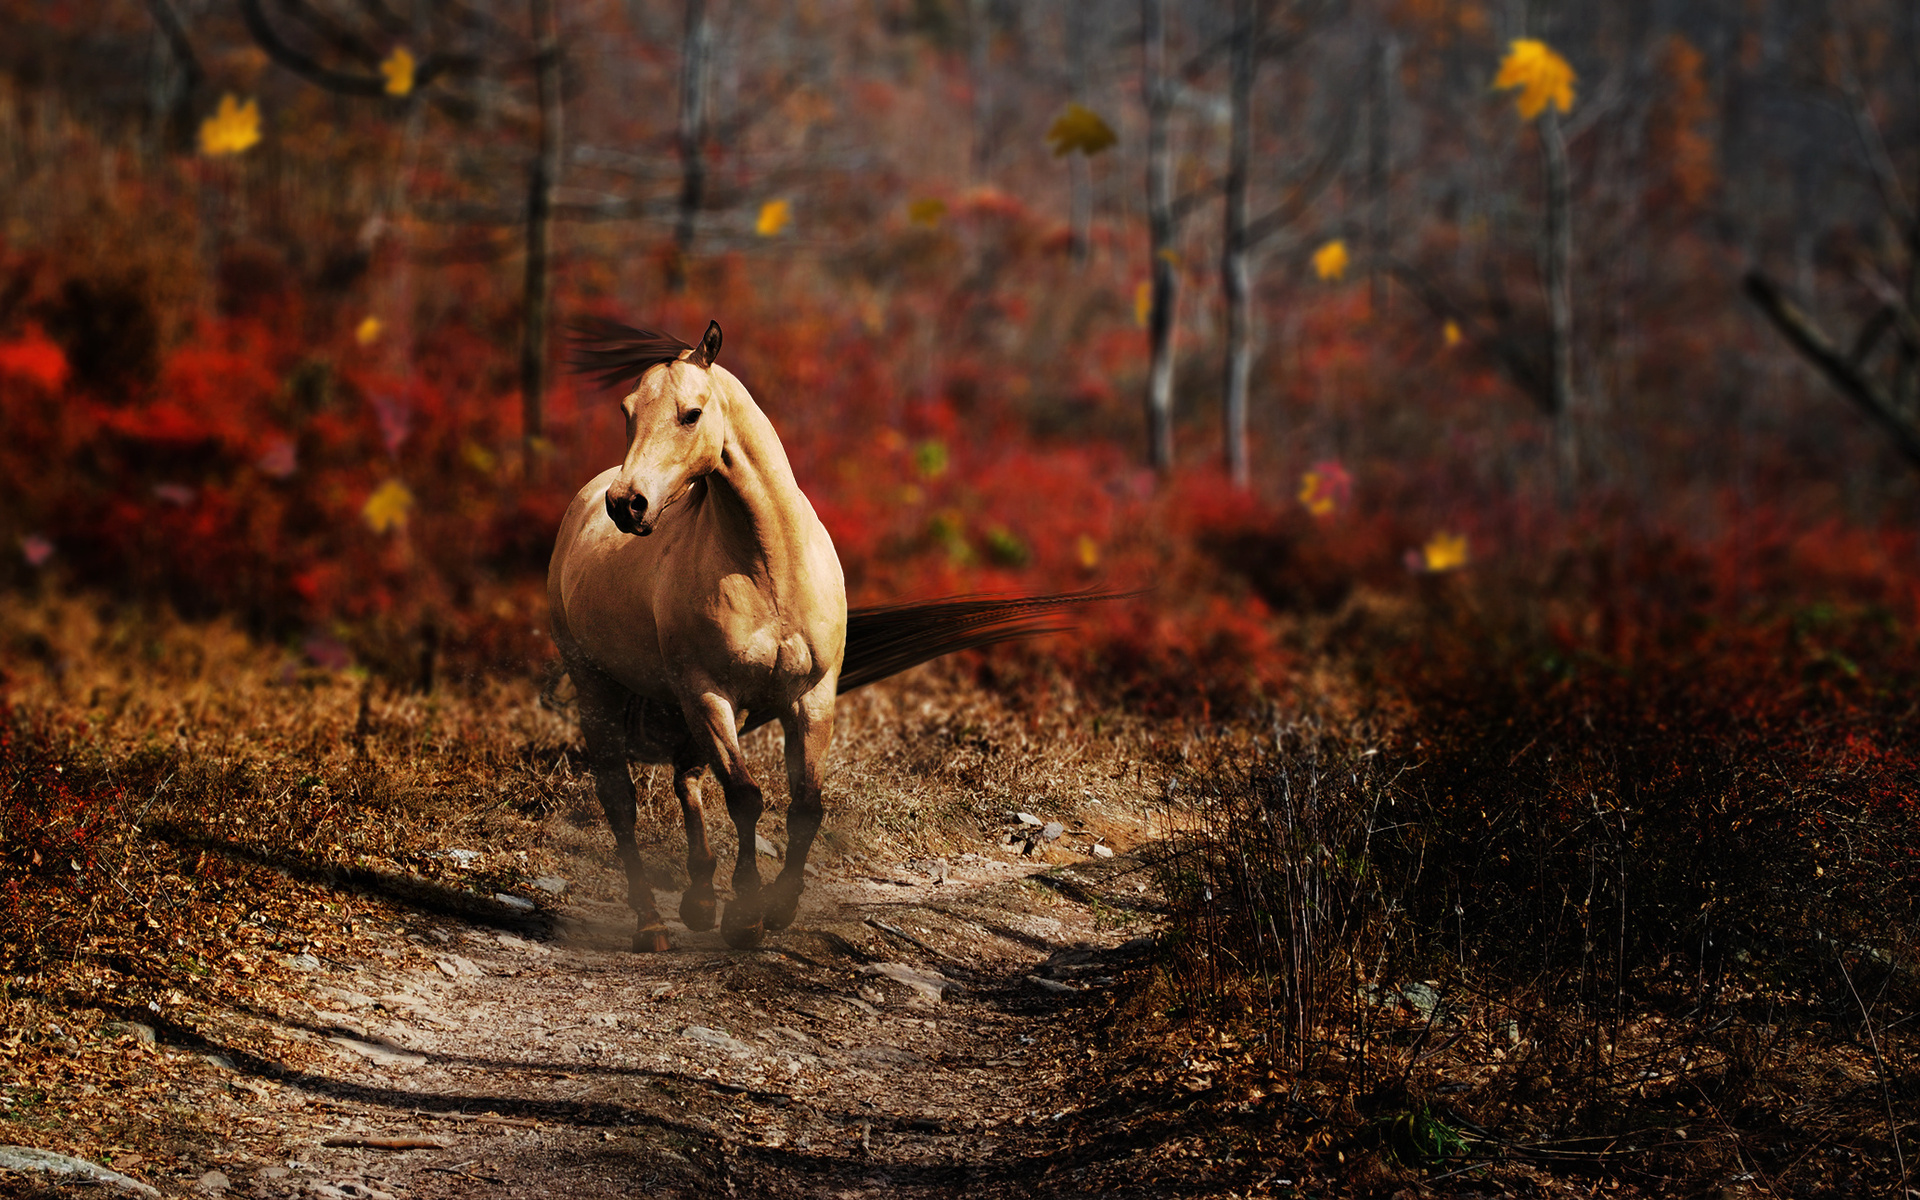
{"x": 695, "y": 595}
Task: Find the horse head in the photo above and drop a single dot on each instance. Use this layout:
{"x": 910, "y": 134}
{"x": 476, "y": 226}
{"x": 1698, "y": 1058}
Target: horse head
{"x": 676, "y": 435}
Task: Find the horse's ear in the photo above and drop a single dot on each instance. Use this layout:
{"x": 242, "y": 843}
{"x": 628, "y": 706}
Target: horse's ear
{"x": 709, "y": 347}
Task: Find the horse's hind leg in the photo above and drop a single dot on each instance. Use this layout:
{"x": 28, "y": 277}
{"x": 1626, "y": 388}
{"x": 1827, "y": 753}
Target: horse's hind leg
{"x": 809, "y": 730}
{"x": 711, "y": 717}
{"x": 698, "y": 904}
{"x": 602, "y": 720}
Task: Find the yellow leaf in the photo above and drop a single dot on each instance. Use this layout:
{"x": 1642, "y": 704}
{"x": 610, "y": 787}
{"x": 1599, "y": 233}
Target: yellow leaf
{"x": 1445, "y": 552}
{"x": 1325, "y": 487}
{"x": 927, "y": 212}
{"x": 232, "y": 129}
{"x": 398, "y": 68}
{"x": 388, "y": 507}
{"x": 775, "y": 215}
{"x": 1542, "y": 76}
{"x": 1452, "y": 333}
{"x": 1088, "y": 552}
{"x": 368, "y": 331}
{"x": 1330, "y": 260}
{"x": 1081, "y": 129}
{"x": 1142, "y": 303}
{"x": 478, "y": 457}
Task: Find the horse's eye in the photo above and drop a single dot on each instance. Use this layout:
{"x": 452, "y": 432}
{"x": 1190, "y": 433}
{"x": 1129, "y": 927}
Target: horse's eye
{"x": 690, "y": 416}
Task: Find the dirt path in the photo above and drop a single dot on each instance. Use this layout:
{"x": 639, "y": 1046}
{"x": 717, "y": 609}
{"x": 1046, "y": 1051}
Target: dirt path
{"x": 912, "y": 1036}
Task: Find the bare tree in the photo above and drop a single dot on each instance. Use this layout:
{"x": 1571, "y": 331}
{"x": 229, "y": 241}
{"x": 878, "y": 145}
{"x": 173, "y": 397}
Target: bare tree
{"x": 1158, "y": 90}
{"x": 542, "y": 178}
{"x": 1235, "y": 278}
{"x": 696, "y": 50}
{"x": 1888, "y": 391}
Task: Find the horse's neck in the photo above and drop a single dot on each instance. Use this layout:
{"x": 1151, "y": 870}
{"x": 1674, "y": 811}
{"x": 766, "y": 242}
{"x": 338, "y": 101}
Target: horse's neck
{"x": 759, "y": 502}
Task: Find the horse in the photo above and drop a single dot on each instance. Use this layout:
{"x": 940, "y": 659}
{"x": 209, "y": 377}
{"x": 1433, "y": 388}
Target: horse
{"x": 695, "y": 595}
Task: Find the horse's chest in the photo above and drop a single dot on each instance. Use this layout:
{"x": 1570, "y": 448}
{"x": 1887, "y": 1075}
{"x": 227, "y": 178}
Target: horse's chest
{"x": 757, "y": 634}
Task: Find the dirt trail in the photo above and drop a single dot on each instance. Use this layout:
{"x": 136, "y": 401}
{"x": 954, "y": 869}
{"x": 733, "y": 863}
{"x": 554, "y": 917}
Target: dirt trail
{"x": 912, "y": 1035}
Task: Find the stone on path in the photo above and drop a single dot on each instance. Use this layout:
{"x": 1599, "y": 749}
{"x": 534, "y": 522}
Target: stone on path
{"x": 552, "y": 885}
{"x": 213, "y": 1183}
{"x": 381, "y": 1056}
{"x": 30, "y": 1161}
{"x": 931, "y": 984}
{"x": 1102, "y": 851}
{"x": 714, "y": 1037}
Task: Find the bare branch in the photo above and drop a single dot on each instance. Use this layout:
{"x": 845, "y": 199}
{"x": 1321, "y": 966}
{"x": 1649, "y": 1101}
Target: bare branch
{"x": 1841, "y": 371}
{"x": 1313, "y": 180}
{"x": 1509, "y": 354}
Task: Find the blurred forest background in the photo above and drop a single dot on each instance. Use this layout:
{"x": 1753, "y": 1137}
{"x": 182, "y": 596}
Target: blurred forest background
{"x": 1261, "y": 302}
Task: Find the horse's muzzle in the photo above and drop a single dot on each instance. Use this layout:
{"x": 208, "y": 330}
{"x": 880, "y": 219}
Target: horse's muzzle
{"x": 629, "y": 515}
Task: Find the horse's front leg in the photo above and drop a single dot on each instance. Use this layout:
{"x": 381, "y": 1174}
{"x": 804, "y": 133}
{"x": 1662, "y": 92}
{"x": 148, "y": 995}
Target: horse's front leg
{"x": 809, "y": 730}
{"x": 711, "y": 717}
{"x": 602, "y": 720}
{"x": 698, "y": 904}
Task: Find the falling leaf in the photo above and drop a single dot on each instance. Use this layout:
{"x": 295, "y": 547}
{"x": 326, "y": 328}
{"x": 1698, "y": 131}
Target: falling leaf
{"x": 1330, "y": 260}
{"x": 388, "y": 507}
{"x": 1080, "y": 128}
{"x": 1452, "y": 333}
{"x": 1542, "y": 76}
{"x": 1142, "y": 303}
{"x": 368, "y": 331}
{"x": 927, "y": 211}
{"x": 232, "y": 129}
{"x": 398, "y": 68}
{"x": 35, "y": 549}
{"x": 478, "y": 457}
{"x": 1443, "y": 552}
{"x": 775, "y": 215}
{"x": 1169, "y": 256}
{"x": 1325, "y": 488}
{"x": 1088, "y": 552}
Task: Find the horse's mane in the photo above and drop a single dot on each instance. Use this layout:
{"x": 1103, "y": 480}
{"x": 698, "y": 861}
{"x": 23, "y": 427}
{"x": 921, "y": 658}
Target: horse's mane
{"x": 613, "y": 353}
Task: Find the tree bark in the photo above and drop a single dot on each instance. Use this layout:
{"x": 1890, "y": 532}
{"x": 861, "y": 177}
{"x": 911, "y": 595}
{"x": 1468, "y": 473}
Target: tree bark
{"x": 696, "y": 50}
{"x": 1559, "y": 257}
{"x": 542, "y": 178}
{"x": 1159, "y": 97}
{"x": 1235, "y": 282}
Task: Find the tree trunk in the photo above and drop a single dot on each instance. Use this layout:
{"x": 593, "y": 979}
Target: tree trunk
{"x": 1079, "y": 166}
{"x": 1159, "y": 98}
{"x": 696, "y": 50}
{"x": 980, "y": 33}
{"x": 1559, "y": 257}
{"x": 541, "y": 180}
{"x": 1235, "y": 282}
{"x": 1379, "y": 168}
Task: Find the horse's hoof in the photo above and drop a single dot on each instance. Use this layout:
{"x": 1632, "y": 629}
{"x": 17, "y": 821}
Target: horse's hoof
{"x": 740, "y": 933}
{"x": 782, "y": 906}
{"x": 698, "y": 912}
{"x": 651, "y": 940}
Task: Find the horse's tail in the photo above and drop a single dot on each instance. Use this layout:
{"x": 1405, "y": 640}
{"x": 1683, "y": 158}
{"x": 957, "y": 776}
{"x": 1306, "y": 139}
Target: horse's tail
{"x": 886, "y": 639}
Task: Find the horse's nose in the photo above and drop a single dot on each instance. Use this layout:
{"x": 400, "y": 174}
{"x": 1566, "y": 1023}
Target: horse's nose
{"x": 628, "y": 513}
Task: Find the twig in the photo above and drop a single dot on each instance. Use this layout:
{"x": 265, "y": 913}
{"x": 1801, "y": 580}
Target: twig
{"x": 1886, "y": 1093}
{"x": 387, "y": 1143}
